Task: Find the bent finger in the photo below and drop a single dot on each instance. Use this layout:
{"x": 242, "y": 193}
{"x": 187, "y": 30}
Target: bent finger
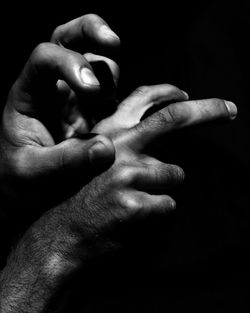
{"x": 143, "y": 98}
{"x": 131, "y": 110}
{"x": 113, "y": 67}
{"x": 140, "y": 204}
{"x": 47, "y": 64}
{"x": 158, "y": 176}
{"x": 89, "y": 29}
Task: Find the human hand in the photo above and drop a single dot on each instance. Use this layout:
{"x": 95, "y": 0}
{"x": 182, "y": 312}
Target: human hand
{"x": 54, "y": 98}
{"x": 67, "y": 237}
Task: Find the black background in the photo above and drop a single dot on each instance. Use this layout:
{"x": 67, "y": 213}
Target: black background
{"x": 198, "y": 260}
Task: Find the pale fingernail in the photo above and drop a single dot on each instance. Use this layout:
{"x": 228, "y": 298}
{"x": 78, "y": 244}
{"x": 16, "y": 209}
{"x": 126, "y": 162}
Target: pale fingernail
{"x": 232, "y": 109}
{"x": 107, "y": 32}
{"x": 88, "y": 77}
{"x": 172, "y": 205}
{"x": 186, "y": 94}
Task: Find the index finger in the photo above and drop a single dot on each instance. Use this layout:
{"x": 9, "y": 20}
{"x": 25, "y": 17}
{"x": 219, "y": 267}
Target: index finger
{"x": 85, "y": 31}
{"x": 176, "y": 116}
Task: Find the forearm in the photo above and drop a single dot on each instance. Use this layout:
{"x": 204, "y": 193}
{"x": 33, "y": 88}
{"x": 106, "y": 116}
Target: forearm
{"x": 22, "y": 290}
{"x": 34, "y": 275}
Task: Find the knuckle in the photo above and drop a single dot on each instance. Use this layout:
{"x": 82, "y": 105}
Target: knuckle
{"x": 41, "y": 48}
{"x": 172, "y": 88}
{"x": 90, "y": 16}
{"x": 91, "y": 20}
{"x": 57, "y": 33}
{"x": 89, "y": 56}
{"x": 41, "y": 51}
{"x": 142, "y": 91}
{"x": 101, "y": 138}
{"x": 130, "y": 204}
{"x": 125, "y": 175}
{"x": 106, "y": 142}
{"x": 173, "y": 114}
{"x": 218, "y": 103}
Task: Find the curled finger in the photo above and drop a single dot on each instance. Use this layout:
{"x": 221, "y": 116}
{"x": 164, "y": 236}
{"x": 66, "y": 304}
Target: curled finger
{"x": 85, "y": 32}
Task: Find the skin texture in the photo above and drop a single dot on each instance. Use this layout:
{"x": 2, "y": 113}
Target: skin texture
{"x": 71, "y": 235}
{"x": 80, "y": 230}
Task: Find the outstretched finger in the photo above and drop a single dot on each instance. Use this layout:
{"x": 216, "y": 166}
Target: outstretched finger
{"x": 176, "y": 116}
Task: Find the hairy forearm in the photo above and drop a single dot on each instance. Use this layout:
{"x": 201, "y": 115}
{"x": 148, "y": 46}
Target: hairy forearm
{"x": 22, "y": 290}
{"x": 35, "y": 273}
{"x": 42, "y": 265}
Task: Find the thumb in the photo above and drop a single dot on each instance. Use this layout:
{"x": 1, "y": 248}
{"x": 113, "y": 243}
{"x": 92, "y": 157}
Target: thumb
{"x": 90, "y": 156}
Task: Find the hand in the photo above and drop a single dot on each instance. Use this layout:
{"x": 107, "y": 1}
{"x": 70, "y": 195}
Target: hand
{"x": 67, "y": 237}
{"x": 55, "y": 97}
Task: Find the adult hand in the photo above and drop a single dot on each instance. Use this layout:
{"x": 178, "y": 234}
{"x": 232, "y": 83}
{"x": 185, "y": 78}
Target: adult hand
{"x": 52, "y": 99}
{"x": 67, "y": 237}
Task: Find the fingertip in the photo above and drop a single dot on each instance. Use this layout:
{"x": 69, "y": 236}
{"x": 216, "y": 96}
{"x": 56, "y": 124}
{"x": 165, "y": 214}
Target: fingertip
{"x": 109, "y": 36}
{"x": 88, "y": 78}
{"x": 167, "y": 205}
{"x": 106, "y": 32}
{"x": 185, "y": 94}
{"x": 172, "y": 205}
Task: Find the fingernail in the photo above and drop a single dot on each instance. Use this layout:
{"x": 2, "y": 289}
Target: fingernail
{"x": 107, "y": 32}
{"x": 96, "y": 151}
{"x": 172, "y": 205}
{"x": 186, "y": 94}
{"x": 232, "y": 109}
{"x": 88, "y": 77}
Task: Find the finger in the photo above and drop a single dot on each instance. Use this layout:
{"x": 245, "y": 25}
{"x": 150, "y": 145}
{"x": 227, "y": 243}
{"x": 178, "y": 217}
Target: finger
{"x": 139, "y": 204}
{"x": 158, "y": 176}
{"x": 47, "y": 64}
{"x": 107, "y": 75}
{"x": 146, "y": 97}
{"x": 176, "y": 116}
{"x": 71, "y": 155}
{"x": 84, "y": 31}
{"x": 133, "y": 108}
{"x": 112, "y": 66}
